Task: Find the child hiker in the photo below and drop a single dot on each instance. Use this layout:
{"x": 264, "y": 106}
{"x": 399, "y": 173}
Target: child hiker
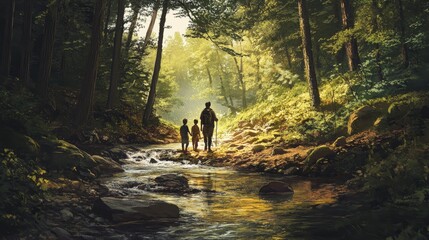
{"x": 195, "y": 135}
{"x": 184, "y": 134}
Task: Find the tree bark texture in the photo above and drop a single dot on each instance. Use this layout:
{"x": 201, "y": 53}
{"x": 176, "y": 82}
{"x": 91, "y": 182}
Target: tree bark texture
{"x": 151, "y": 24}
{"x": 351, "y": 46}
{"x": 26, "y": 44}
{"x": 157, "y": 68}
{"x": 86, "y": 96}
{"x": 310, "y": 72}
{"x": 134, "y": 18}
{"x": 46, "y": 54}
{"x": 7, "y": 41}
{"x": 404, "y": 45}
{"x": 115, "y": 74}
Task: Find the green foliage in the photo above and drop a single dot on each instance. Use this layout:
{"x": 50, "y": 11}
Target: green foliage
{"x": 20, "y": 110}
{"x": 20, "y": 182}
{"x": 403, "y": 175}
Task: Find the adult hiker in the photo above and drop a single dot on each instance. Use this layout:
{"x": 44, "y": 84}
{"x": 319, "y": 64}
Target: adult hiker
{"x": 208, "y": 119}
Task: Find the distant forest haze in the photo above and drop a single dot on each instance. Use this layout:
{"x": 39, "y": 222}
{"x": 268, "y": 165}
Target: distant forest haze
{"x": 333, "y": 89}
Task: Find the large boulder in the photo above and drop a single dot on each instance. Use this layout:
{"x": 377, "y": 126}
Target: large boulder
{"x": 276, "y": 188}
{"x": 66, "y": 156}
{"x": 318, "y": 153}
{"x": 362, "y": 119}
{"x": 127, "y": 210}
{"x": 21, "y": 144}
{"x": 173, "y": 181}
{"x": 116, "y": 154}
{"x": 106, "y": 166}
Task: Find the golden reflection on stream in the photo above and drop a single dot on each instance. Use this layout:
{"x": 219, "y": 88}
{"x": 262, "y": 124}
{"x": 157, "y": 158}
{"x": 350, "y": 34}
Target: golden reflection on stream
{"x": 229, "y": 207}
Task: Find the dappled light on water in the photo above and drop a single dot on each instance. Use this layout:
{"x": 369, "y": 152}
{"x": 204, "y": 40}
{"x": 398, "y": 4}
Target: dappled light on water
{"x": 229, "y": 205}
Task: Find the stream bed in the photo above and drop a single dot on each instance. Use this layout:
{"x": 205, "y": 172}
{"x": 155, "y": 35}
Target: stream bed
{"x": 228, "y": 207}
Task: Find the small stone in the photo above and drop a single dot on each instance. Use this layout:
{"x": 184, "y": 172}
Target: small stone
{"x": 257, "y": 148}
{"x": 62, "y": 234}
{"x": 153, "y": 160}
{"x": 278, "y": 151}
{"x": 66, "y": 215}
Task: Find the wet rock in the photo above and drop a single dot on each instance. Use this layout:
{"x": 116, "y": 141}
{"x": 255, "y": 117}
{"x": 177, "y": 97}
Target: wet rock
{"x": 362, "y": 119}
{"x": 66, "y": 215}
{"x": 106, "y": 166}
{"x": 131, "y": 184}
{"x": 172, "y": 181}
{"x": 278, "y": 151}
{"x": 258, "y": 148}
{"x": 116, "y": 154}
{"x": 340, "y": 142}
{"x": 127, "y": 210}
{"x": 276, "y": 188}
{"x": 153, "y": 160}
{"x": 291, "y": 171}
{"x": 62, "y": 234}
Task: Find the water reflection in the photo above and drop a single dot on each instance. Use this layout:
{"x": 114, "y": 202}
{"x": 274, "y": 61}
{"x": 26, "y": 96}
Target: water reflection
{"x": 229, "y": 206}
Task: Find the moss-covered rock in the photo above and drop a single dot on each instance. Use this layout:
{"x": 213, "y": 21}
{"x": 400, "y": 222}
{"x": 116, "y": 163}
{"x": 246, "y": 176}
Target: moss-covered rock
{"x": 318, "y": 153}
{"x": 340, "y": 142}
{"x": 362, "y": 119}
{"x": 21, "y": 144}
{"x": 258, "y": 148}
{"x": 399, "y": 109}
{"x": 66, "y": 156}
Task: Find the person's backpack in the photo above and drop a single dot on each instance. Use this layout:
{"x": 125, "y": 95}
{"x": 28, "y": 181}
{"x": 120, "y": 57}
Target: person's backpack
{"x": 206, "y": 117}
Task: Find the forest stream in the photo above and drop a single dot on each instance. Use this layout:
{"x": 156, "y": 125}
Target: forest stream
{"x": 228, "y": 206}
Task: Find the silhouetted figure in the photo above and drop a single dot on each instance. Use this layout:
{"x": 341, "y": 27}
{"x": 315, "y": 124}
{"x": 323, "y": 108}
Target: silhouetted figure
{"x": 184, "y": 134}
{"x": 195, "y": 130}
{"x": 208, "y": 119}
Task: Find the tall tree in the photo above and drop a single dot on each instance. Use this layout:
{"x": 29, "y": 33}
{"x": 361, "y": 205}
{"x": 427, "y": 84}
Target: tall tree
{"x": 375, "y": 28}
{"x": 47, "y": 50}
{"x": 240, "y": 76}
{"x": 86, "y": 96}
{"x": 115, "y": 74}
{"x": 351, "y": 46}
{"x": 7, "y": 40}
{"x": 310, "y": 72}
{"x": 152, "y": 93}
{"x": 134, "y": 17}
{"x": 404, "y": 45}
{"x": 152, "y": 23}
{"x": 24, "y": 70}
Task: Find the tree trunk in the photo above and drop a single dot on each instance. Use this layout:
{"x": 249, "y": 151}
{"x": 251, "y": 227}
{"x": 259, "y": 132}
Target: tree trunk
{"x": 310, "y": 72}
{"x": 375, "y": 27}
{"x": 404, "y": 45}
{"x": 106, "y": 23}
{"x": 134, "y": 18}
{"x": 210, "y": 77}
{"x": 115, "y": 75}
{"x": 241, "y": 80}
{"x": 157, "y": 68}
{"x": 151, "y": 24}
{"x": 7, "y": 41}
{"x": 24, "y": 70}
{"x": 46, "y": 53}
{"x": 351, "y": 46}
{"x": 86, "y": 96}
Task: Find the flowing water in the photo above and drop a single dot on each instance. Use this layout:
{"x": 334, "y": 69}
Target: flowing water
{"x": 229, "y": 207}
